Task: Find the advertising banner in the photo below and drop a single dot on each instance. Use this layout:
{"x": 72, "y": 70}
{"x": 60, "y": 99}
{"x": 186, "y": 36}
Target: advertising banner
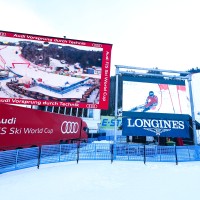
{"x": 21, "y": 127}
{"x": 151, "y": 125}
{"x": 50, "y": 71}
{"x": 108, "y": 122}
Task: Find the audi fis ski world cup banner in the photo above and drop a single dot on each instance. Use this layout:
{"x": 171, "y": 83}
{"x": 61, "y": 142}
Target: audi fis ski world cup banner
{"x": 19, "y": 126}
{"x": 50, "y": 71}
{"x": 155, "y": 127}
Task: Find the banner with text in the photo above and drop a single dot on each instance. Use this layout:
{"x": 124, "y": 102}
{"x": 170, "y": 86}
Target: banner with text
{"x": 108, "y": 122}
{"x": 155, "y": 127}
{"x": 21, "y": 127}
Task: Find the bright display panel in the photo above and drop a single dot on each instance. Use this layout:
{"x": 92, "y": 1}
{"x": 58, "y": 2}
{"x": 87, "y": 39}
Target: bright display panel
{"x": 155, "y": 97}
{"x": 50, "y": 71}
{"x": 155, "y": 107}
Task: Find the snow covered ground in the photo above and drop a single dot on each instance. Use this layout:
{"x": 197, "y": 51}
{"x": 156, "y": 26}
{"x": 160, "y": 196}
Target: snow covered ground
{"x": 101, "y": 180}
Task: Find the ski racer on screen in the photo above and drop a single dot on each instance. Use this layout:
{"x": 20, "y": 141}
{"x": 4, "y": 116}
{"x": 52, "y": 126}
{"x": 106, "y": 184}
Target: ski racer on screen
{"x": 151, "y": 102}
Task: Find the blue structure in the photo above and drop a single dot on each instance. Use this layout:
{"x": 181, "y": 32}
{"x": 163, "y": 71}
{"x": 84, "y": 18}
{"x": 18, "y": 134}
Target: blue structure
{"x": 120, "y": 151}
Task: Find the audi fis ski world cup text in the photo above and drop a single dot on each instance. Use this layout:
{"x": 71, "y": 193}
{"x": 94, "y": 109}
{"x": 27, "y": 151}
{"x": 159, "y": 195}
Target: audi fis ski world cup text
{"x": 106, "y": 77}
{"x": 8, "y": 120}
{"x": 17, "y": 130}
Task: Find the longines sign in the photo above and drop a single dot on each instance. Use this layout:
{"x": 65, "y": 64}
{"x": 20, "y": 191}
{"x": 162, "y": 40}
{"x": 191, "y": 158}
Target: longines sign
{"x": 155, "y": 127}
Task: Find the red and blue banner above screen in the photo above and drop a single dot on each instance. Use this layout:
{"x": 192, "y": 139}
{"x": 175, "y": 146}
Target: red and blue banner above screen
{"x": 50, "y": 71}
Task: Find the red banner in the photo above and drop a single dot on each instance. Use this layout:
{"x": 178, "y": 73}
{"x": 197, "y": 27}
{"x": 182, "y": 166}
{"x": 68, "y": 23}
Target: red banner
{"x": 24, "y": 127}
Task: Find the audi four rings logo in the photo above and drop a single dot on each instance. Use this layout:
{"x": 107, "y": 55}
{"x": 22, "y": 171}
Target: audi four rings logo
{"x": 69, "y": 127}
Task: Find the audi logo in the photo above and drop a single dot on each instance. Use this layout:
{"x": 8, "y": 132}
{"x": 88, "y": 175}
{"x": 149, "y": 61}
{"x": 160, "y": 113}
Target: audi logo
{"x": 96, "y": 45}
{"x": 91, "y": 106}
{"x": 69, "y": 127}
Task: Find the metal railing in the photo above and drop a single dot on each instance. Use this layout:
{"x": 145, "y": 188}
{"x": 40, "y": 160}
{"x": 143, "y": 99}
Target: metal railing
{"x": 34, "y": 157}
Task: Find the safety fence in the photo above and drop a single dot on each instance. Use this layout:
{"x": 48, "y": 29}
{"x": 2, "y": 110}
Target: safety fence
{"x": 34, "y": 157}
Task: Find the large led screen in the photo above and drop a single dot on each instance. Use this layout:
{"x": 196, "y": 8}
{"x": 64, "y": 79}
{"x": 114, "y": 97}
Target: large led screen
{"x": 155, "y": 96}
{"x": 50, "y": 71}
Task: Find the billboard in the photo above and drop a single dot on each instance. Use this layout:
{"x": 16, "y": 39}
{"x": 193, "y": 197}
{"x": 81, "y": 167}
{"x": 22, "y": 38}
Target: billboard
{"x": 155, "y": 107}
{"x": 108, "y": 122}
{"x": 164, "y": 125}
{"x": 50, "y": 71}
{"x": 155, "y": 96}
{"x": 24, "y": 127}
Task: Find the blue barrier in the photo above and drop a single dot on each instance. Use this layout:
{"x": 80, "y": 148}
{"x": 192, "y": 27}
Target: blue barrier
{"x": 32, "y": 157}
{"x": 18, "y": 159}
